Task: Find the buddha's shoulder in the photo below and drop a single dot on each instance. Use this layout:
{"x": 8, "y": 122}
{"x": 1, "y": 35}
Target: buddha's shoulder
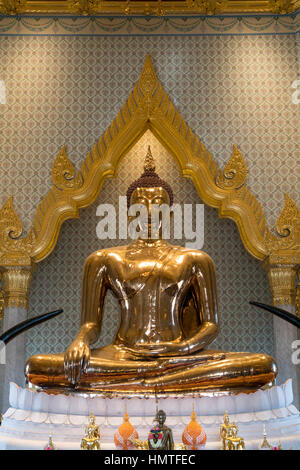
{"x": 195, "y": 256}
{"x": 106, "y": 253}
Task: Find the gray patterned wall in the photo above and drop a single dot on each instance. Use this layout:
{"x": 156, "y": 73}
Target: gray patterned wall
{"x": 230, "y": 89}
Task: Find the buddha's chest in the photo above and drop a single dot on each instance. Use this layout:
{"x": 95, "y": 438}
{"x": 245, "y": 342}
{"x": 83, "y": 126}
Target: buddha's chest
{"x": 153, "y": 277}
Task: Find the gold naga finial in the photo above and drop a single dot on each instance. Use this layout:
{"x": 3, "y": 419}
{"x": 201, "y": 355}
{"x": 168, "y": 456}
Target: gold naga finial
{"x": 149, "y": 164}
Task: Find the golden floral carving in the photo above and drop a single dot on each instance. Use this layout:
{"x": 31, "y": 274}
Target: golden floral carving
{"x": 12, "y": 7}
{"x": 281, "y": 6}
{"x": 288, "y": 228}
{"x": 235, "y": 172}
{"x": 148, "y": 79}
{"x": 17, "y": 283}
{"x": 286, "y": 221}
{"x": 13, "y": 249}
{"x": 64, "y": 174}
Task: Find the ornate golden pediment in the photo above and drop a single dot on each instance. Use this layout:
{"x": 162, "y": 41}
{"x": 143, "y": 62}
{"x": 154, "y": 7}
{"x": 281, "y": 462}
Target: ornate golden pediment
{"x": 149, "y": 107}
{"x": 152, "y": 7}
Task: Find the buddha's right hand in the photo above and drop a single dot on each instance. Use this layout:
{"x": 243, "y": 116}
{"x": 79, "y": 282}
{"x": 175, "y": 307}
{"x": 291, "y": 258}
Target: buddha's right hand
{"x": 76, "y": 360}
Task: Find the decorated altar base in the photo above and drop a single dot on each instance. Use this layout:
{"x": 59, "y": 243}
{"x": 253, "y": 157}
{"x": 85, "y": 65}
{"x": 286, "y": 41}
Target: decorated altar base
{"x": 32, "y": 416}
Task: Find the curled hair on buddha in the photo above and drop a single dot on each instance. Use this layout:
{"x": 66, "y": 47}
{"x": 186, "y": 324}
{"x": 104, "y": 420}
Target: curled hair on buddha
{"x": 149, "y": 179}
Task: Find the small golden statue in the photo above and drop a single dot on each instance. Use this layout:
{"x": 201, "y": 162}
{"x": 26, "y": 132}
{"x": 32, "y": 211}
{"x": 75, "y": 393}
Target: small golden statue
{"x": 234, "y": 442}
{"x": 265, "y": 445}
{"x": 50, "y": 445}
{"x": 92, "y": 435}
{"x": 225, "y": 430}
{"x": 138, "y": 444}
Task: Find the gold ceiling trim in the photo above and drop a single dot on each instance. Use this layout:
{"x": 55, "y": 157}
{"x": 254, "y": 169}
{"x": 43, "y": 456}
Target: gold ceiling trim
{"x": 148, "y": 107}
{"x": 153, "y": 7}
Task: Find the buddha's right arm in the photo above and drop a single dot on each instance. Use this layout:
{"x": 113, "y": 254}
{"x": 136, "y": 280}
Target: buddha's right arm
{"x": 94, "y": 285}
{"x": 77, "y": 356}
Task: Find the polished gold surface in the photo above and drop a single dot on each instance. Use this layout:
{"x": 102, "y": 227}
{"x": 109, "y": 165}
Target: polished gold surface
{"x": 233, "y": 441}
{"x": 92, "y": 435}
{"x": 152, "y": 7}
{"x": 139, "y": 445}
{"x": 169, "y": 314}
{"x": 225, "y": 430}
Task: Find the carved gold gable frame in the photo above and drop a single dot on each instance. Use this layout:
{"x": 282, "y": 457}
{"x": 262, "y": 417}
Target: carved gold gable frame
{"x": 149, "y": 107}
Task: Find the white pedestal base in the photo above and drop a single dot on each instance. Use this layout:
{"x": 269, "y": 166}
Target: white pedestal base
{"x": 32, "y": 416}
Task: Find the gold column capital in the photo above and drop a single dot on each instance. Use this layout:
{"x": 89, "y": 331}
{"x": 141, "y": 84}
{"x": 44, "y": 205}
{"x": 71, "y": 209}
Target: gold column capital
{"x": 16, "y": 285}
{"x": 282, "y": 278}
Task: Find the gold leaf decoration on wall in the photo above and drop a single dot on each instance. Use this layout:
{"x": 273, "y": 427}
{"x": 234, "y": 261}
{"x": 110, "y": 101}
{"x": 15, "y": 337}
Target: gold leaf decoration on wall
{"x": 13, "y": 249}
{"x": 286, "y": 221}
{"x": 64, "y": 174}
{"x": 148, "y": 79}
{"x": 234, "y": 173}
{"x": 288, "y": 228}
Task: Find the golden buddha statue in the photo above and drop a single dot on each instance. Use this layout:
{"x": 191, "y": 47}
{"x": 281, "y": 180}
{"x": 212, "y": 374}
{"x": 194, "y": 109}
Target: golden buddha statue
{"x": 169, "y": 314}
{"x": 234, "y": 442}
{"x": 225, "y": 429}
{"x": 92, "y": 435}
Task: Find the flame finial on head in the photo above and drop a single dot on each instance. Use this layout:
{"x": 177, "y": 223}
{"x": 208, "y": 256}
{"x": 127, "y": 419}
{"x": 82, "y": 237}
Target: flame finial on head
{"x": 149, "y": 179}
{"x": 149, "y": 164}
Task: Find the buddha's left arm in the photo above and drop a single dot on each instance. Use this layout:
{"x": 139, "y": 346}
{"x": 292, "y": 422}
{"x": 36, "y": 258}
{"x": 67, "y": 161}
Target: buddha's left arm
{"x": 205, "y": 294}
{"x": 206, "y": 297}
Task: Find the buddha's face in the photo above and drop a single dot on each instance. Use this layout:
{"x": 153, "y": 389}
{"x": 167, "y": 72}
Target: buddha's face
{"x": 161, "y": 417}
{"x": 151, "y": 198}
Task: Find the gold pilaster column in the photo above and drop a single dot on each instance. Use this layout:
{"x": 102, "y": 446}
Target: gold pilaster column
{"x": 16, "y": 286}
{"x": 1, "y": 299}
{"x": 282, "y": 278}
{"x": 298, "y": 293}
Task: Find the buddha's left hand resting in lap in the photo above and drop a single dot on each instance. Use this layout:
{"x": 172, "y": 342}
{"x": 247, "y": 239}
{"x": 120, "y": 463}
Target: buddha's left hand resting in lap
{"x": 169, "y": 314}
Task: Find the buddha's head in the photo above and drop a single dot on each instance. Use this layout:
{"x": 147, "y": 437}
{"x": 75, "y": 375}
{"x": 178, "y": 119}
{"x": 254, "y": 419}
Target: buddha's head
{"x": 161, "y": 417}
{"x": 151, "y": 191}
